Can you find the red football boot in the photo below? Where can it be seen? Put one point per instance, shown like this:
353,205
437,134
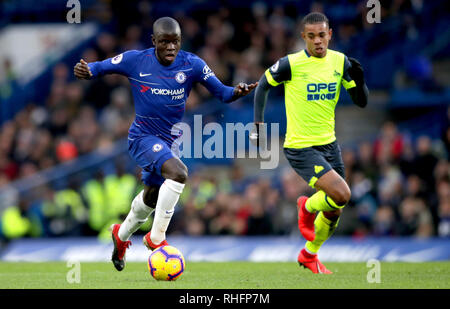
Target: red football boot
311,261
305,219
150,245
118,255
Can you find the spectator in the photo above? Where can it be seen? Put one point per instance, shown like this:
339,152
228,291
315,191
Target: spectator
388,146
443,209
425,161
384,223
415,218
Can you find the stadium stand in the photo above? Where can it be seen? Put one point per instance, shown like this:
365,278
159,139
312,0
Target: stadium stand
72,134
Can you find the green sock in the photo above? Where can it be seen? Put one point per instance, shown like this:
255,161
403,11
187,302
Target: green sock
319,201
323,228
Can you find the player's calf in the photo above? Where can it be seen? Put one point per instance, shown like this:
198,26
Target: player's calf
150,195
169,194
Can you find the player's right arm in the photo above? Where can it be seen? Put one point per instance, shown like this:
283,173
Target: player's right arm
81,70
272,77
120,64
226,94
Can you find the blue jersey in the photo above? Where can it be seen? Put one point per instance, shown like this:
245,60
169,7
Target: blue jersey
160,92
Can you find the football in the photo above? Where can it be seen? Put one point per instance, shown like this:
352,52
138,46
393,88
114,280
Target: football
166,263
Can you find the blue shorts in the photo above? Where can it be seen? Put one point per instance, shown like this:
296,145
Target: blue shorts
150,152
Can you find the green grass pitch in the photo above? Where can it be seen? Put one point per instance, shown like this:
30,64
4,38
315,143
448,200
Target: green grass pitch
230,275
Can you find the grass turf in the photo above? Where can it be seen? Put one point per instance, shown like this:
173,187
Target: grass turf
230,275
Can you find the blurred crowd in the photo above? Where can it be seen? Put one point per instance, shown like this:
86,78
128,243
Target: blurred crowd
400,187
400,184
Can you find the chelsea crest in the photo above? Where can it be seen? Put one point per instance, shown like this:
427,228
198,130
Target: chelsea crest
180,77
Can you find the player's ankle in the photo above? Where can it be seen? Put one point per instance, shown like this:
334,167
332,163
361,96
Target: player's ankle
157,239
309,253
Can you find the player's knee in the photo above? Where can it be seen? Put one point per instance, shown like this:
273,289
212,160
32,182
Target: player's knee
180,175
342,196
175,170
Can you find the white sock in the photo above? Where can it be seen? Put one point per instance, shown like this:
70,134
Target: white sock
167,198
137,216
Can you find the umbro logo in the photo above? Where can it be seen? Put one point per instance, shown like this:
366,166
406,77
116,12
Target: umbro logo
143,75
336,73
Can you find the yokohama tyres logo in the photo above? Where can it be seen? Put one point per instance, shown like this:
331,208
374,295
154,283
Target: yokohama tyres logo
207,72
159,91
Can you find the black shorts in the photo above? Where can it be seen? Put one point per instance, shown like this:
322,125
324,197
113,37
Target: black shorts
313,162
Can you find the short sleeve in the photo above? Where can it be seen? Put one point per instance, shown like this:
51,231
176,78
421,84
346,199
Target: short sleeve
120,64
279,72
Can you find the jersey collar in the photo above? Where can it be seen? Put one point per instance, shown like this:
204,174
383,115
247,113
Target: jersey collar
315,58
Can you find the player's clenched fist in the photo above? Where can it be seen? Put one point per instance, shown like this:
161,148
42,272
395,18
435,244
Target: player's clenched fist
258,135
81,70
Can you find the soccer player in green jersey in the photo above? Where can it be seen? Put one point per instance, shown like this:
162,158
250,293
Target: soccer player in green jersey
312,81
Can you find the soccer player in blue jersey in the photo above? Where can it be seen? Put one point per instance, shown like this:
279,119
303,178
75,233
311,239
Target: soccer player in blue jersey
161,79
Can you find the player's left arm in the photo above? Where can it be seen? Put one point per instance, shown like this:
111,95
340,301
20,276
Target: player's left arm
353,81
217,88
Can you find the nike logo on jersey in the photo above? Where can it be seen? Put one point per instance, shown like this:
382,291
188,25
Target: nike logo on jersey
143,75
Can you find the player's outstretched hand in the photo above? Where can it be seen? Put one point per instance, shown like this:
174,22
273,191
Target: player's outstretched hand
242,89
81,70
356,71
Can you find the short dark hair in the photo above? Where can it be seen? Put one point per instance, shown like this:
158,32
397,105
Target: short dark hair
314,18
165,24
